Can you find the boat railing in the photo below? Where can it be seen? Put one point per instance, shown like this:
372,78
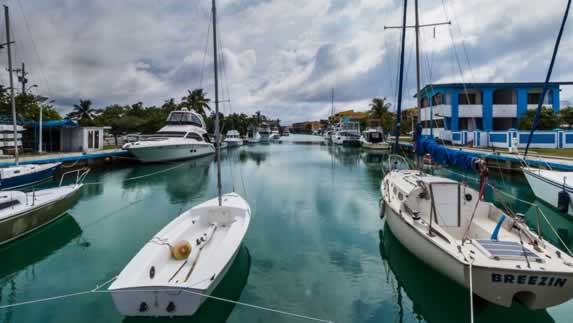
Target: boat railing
81,174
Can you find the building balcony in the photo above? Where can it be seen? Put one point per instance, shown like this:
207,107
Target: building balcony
439,112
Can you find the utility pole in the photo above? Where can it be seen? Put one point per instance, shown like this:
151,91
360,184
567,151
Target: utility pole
10,72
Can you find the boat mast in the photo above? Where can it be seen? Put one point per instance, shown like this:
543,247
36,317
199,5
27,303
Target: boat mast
217,134
12,101
399,108
546,85
418,96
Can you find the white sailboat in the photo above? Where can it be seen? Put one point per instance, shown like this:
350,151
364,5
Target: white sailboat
174,273
253,136
445,224
552,186
24,212
184,137
347,134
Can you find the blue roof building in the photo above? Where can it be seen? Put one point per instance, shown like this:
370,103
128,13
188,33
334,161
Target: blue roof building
483,106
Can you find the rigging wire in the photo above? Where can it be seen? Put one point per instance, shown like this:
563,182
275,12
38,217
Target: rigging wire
205,54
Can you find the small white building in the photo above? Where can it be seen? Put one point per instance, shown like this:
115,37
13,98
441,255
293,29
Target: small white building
82,139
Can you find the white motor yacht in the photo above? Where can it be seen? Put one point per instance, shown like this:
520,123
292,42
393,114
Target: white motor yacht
373,138
184,137
233,139
265,132
275,134
253,136
347,134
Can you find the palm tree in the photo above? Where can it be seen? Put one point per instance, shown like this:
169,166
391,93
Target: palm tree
378,108
82,112
196,101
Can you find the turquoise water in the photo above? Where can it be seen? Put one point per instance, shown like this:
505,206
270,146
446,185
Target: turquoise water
316,245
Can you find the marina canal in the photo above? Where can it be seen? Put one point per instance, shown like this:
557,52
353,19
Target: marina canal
315,247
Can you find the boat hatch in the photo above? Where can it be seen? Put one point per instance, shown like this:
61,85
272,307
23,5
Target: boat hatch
506,250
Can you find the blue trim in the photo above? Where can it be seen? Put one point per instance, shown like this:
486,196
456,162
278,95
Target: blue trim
454,94
456,136
538,138
497,137
495,232
487,110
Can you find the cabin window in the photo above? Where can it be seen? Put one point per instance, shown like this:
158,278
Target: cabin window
195,136
206,137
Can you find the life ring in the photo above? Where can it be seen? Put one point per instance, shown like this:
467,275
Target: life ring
181,250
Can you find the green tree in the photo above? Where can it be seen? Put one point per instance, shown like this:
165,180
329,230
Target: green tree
548,119
378,107
566,116
196,101
83,113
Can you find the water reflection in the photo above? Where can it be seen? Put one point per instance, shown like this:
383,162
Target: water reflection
230,288
562,224
181,183
22,255
257,156
38,245
435,297
349,156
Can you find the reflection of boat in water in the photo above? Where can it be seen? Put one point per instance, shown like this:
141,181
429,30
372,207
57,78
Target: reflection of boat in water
345,154
436,298
38,245
257,156
182,183
230,288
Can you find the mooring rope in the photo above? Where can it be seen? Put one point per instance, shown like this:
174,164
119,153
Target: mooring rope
144,176
98,289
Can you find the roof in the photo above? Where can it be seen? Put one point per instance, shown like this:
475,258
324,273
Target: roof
490,85
55,124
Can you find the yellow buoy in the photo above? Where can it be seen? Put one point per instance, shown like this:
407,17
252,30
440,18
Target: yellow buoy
181,250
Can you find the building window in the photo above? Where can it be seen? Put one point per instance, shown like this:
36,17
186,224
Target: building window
467,98
533,98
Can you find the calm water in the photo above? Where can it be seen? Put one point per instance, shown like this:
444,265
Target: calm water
315,245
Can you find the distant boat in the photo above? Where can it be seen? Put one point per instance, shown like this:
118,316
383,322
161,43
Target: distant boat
275,134
373,138
253,136
233,138
347,134
24,212
184,137
265,132
175,272
285,132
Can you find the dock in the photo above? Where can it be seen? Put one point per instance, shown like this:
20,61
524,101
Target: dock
66,157
513,162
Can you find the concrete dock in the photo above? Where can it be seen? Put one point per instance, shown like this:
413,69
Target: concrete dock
65,157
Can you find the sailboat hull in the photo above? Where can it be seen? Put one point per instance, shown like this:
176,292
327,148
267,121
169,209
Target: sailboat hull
29,178
535,289
128,301
547,188
20,224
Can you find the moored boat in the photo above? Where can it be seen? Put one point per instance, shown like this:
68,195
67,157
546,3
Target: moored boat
23,175
233,139
373,138
183,137
24,212
253,136
347,134
264,132
448,226
551,186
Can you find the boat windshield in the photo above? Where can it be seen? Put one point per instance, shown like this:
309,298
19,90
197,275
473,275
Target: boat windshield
184,117
169,134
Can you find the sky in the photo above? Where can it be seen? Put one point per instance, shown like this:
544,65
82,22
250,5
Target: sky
281,57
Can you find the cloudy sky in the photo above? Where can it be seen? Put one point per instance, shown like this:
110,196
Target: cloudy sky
281,57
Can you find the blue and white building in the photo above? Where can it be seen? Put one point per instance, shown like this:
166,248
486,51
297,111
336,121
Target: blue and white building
483,106
486,114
